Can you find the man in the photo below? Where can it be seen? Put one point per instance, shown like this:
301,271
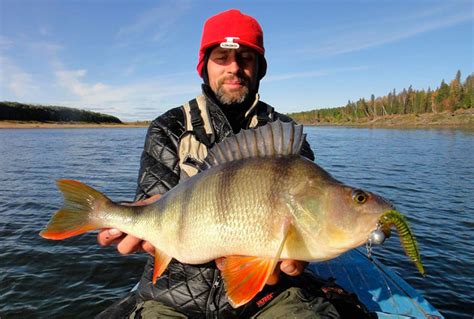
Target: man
231,64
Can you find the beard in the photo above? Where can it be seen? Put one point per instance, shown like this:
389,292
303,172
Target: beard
233,96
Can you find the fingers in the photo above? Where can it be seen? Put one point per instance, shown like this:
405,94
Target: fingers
129,244
144,202
150,200
289,267
126,244
293,267
108,236
146,246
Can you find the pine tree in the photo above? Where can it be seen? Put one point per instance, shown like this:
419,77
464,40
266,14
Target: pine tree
372,106
468,88
442,98
427,104
455,92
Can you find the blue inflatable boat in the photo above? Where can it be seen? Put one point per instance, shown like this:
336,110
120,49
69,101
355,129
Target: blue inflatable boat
379,288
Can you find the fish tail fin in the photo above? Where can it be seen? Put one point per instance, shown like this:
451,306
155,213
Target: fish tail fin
78,214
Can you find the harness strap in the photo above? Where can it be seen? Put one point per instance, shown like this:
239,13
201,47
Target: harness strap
198,124
199,136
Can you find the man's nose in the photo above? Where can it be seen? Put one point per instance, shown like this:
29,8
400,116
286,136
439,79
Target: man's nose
233,64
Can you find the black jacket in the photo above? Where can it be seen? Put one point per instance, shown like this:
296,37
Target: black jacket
195,290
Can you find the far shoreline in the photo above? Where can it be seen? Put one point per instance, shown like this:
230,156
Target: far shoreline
460,119
68,125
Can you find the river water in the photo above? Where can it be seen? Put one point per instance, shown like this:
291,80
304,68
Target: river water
427,173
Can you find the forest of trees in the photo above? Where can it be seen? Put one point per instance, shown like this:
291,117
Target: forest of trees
13,111
447,97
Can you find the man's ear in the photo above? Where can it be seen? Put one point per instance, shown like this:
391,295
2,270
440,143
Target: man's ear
204,74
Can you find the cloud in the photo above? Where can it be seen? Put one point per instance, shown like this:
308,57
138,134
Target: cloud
45,30
356,38
45,47
100,92
311,74
17,81
140,61
5,43
54,83
156,23
140,100
70,79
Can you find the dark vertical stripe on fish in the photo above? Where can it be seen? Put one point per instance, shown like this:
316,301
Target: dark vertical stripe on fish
224,190
184,202
280,169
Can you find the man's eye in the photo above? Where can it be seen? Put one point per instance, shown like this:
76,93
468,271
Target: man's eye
246,56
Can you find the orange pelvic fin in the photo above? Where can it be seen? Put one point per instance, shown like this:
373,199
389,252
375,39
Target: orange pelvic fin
245,276
161,263
77,216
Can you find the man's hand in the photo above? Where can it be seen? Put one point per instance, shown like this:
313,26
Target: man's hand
293,267
288,266
127,244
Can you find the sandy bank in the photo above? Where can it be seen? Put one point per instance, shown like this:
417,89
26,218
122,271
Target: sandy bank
27,124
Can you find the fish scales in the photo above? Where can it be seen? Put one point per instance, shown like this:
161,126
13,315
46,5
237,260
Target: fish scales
235,208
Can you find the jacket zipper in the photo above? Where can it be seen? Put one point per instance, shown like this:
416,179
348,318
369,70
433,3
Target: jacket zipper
212,311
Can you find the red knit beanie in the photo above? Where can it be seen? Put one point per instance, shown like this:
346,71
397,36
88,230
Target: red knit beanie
229,28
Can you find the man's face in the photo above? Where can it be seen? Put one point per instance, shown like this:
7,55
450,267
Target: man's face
232,73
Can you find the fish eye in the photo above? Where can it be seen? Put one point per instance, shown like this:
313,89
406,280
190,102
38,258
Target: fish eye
359,196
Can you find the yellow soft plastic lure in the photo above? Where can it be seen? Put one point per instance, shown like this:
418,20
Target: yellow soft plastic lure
395,218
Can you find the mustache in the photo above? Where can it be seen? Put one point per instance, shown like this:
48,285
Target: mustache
241,78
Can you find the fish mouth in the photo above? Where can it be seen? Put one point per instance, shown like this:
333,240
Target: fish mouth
395,218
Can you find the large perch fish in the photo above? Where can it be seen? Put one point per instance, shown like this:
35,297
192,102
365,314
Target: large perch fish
256,202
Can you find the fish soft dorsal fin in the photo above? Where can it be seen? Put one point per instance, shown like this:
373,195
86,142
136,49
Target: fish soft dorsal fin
273,139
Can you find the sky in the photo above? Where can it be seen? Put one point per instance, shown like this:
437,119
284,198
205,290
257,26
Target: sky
135,59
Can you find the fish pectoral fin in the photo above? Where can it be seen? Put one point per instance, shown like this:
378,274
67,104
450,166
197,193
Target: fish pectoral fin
161,263
245,276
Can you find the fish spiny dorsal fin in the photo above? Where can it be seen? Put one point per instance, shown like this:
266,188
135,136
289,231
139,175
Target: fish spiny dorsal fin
273,139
